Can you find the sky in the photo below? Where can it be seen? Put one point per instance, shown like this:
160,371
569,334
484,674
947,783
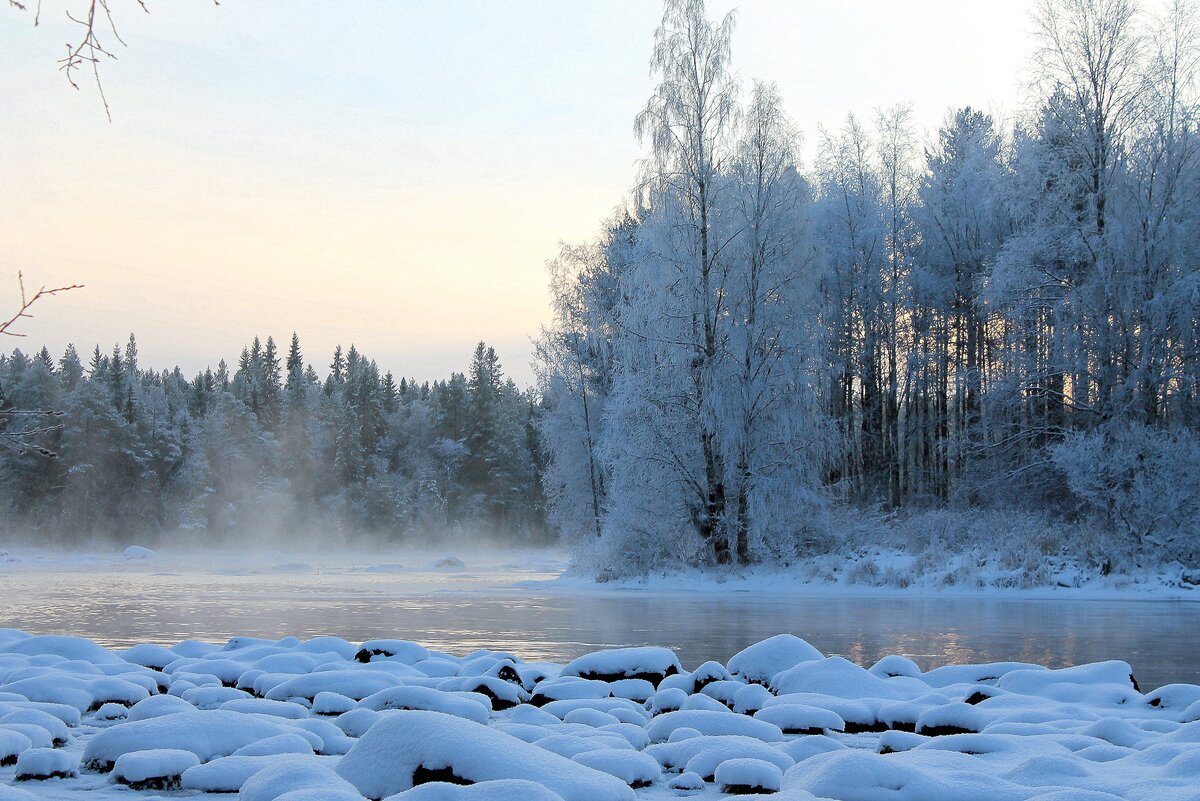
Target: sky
389,173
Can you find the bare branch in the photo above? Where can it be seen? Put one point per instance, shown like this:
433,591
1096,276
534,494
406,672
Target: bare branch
27,303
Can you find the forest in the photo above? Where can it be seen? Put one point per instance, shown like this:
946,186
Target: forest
266,452
997,322
981,337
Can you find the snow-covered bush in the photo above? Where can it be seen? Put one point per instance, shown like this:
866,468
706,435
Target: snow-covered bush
1142,482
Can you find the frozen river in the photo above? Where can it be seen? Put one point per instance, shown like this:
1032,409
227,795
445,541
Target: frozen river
508,602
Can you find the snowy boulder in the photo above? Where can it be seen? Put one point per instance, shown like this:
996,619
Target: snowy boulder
279,744
745,776
1173,697
801,719
503,694
471,706
437,668
701,755
632,767
12,744
75,648
410,748
712,723
590,717
751,698
158,705
842,678
853,774
206,734
58,730
893,665
957,718
634,689
109,713
357,684
707,673
291,778
328,645
401,650
151,656
332,704
500,790
635,735
154,769
228,774
356,722
38,737
1037,682
39,764
621,708
648,663
723,690
706,702
261,706
331,740
53,688
138,553
763,660
569,688
686,783
668,700
213,696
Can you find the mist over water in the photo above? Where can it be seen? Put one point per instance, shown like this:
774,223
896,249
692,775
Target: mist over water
505,600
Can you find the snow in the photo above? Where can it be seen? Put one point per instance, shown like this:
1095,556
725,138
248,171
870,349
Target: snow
634,768
652,664
711,722
471,706
207,734
763,660
165,764
228,774
385,759
37,764
500,790
1007,731
314,779
748,775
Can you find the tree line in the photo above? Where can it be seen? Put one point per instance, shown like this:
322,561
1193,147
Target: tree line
268,448
1006,317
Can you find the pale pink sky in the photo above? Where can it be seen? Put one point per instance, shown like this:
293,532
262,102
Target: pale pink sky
390,173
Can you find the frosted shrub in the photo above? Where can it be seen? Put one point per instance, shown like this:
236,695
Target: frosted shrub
864,572
1142,483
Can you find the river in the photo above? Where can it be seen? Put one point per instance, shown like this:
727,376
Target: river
509,602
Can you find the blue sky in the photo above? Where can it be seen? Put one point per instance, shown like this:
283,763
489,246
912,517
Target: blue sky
390,173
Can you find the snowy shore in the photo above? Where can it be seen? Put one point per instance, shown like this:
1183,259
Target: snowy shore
333,720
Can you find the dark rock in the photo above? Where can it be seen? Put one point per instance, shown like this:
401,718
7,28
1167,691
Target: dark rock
424,775
161,783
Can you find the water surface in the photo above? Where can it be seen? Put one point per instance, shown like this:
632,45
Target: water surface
119,603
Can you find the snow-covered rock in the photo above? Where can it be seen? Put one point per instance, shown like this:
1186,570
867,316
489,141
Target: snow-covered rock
744,776
154,769
763,660
412,747
298,781
206,734
648,663
38,764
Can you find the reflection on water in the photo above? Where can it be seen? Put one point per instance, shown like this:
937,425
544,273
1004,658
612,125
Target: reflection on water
119,604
